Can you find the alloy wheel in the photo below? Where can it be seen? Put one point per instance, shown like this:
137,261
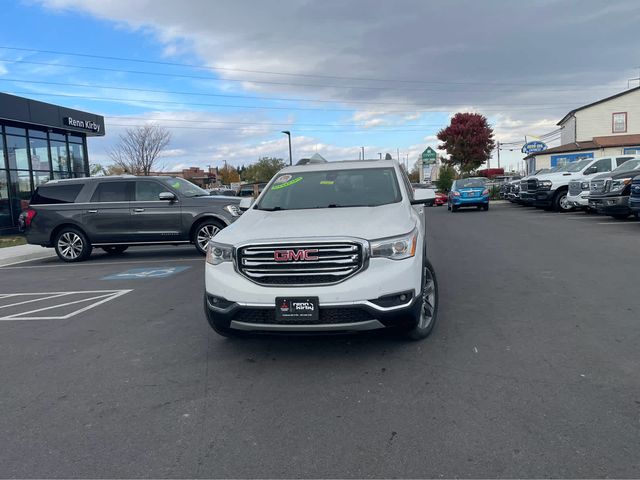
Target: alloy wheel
564,203
206,233
428,300
70,245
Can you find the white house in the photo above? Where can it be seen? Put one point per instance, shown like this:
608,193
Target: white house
610,126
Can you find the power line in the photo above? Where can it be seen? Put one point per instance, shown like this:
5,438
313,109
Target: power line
139,100
256,130
249,97
264,72
266,82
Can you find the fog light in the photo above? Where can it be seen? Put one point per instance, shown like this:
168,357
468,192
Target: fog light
218,303
394,300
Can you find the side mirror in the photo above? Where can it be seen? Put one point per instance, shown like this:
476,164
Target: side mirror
591,170
167,196
423,196
246,203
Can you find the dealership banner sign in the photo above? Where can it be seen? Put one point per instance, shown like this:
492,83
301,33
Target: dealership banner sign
534,147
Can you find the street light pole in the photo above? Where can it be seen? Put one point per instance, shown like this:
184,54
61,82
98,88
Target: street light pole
288,134
362,153
380,155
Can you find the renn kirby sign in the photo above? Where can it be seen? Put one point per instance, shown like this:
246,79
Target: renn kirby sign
88,125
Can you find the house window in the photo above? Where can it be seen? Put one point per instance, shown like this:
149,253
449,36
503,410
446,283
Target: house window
619,122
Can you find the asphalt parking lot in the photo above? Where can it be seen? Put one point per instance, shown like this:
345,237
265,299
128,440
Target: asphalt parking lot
109,369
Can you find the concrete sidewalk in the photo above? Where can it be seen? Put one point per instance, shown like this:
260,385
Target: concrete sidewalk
20,253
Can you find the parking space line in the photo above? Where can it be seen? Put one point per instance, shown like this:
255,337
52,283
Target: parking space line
105,296
31,301
92,264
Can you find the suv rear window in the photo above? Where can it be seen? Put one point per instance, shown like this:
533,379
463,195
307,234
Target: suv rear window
52,194
112,192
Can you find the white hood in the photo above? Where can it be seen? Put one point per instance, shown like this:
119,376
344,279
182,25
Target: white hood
558,177
361,222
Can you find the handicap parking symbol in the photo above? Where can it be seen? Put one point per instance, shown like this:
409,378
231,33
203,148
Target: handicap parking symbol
145,272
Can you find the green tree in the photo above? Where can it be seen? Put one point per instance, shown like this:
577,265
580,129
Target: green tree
446,176
228,175
263,169
468,140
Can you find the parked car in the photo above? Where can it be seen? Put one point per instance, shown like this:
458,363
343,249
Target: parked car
441,199
223,192
251,189
609,192
468,192
306,257
578,196
634,197
113,213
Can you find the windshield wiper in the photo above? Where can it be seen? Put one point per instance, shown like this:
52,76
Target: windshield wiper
271,209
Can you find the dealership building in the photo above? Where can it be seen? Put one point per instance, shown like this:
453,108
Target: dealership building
608,127
38,142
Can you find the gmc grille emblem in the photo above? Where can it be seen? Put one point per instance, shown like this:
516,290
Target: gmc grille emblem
300,255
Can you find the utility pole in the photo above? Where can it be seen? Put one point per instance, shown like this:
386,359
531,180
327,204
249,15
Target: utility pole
498,154
380,155
288,134
362,153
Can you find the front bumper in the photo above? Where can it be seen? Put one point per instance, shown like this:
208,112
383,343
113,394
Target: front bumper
579,201
634,204
470,201
543,198
527,198
346,306
610,205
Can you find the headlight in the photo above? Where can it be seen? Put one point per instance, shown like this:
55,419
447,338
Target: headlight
545,185
395,248
234,210
619,184
218,253
584,185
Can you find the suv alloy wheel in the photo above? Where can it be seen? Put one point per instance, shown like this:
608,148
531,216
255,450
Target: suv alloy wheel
72,245
204,232
429,308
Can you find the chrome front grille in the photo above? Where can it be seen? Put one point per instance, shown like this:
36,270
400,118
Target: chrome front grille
574,187
597,186
532,184
313,263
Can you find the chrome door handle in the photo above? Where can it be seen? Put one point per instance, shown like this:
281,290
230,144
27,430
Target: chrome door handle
92,211
138,209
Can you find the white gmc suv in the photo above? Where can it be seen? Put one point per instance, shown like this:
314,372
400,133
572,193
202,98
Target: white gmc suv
331,247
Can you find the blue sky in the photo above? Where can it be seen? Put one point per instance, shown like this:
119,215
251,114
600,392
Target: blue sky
383,103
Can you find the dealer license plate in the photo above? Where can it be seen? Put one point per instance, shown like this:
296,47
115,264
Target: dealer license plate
297,308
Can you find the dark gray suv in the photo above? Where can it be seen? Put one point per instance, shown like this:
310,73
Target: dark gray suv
113,213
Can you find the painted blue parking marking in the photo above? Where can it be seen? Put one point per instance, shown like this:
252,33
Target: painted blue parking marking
145,272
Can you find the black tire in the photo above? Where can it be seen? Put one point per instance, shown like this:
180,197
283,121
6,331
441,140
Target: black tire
429,305
72,245
560,202
622,216
448,206
479,207
206,229
115,249
454,208
485,207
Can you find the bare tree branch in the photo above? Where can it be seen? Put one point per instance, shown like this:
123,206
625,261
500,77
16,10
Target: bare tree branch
139,149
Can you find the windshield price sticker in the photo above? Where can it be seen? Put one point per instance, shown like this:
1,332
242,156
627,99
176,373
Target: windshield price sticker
327,182
286,184
282,179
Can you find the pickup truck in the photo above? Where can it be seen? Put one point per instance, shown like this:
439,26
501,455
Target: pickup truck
578,196
609,192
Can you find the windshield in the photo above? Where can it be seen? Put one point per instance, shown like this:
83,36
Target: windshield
628,166
471,183
577,166
359,187
185,187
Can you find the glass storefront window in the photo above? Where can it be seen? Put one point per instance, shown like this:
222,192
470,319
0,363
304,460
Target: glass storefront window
5,205
59,175
57,136
39,154
40,177
75,138
37,134
77,157
15,131
22,188
17,152
59,160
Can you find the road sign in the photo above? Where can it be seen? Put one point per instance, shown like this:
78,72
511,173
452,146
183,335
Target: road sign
429,156
144,273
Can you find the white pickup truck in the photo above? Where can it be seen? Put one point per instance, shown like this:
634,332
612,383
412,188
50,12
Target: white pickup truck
552,190
578,196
